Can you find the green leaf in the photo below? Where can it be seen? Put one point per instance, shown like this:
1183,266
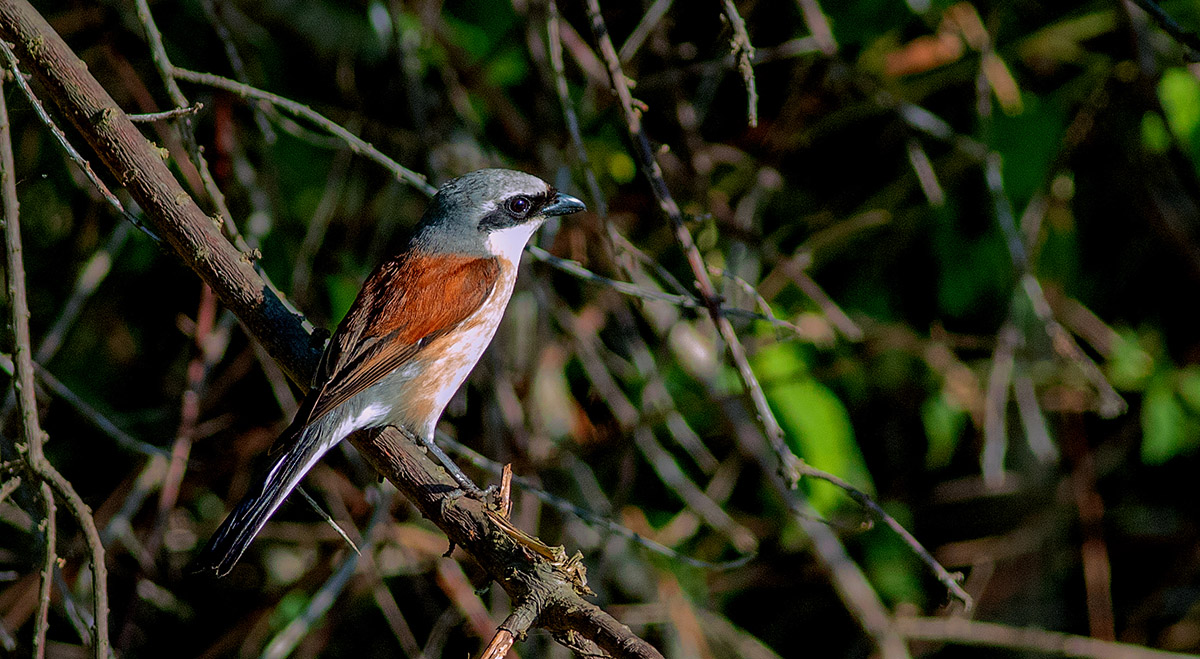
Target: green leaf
1179,92
1188,386
341,291
507,67
944,420
1129,365
1155,137
1166,429
890,564
290,606
816,424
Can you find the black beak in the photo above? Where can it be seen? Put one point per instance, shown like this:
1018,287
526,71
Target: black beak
563,204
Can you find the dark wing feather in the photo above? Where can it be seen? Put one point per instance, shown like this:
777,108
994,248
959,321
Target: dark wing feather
405,304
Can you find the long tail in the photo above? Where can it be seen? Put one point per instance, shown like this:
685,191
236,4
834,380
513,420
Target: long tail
239,529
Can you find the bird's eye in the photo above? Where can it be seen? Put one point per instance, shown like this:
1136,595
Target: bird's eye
519,205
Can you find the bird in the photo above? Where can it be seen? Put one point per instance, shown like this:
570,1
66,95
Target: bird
415,331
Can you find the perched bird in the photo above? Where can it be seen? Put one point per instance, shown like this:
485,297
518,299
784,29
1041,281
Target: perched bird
417,328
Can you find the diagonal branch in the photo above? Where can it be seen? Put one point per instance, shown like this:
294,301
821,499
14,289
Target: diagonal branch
137,165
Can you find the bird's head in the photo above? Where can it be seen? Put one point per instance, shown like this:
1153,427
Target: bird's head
490,212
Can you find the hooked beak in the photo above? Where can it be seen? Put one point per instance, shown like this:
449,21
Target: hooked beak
563,204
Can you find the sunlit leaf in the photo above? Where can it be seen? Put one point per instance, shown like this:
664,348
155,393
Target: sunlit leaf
816,423
1166,431
1179,92
1129,365
944,420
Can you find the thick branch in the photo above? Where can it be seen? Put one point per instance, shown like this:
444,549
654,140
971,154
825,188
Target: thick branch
172,213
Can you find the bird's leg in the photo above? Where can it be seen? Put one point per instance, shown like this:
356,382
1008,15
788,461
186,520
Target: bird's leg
464,482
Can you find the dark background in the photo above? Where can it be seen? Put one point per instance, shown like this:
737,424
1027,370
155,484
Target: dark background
1088,108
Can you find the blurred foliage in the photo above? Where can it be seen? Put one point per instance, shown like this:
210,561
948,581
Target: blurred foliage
866,178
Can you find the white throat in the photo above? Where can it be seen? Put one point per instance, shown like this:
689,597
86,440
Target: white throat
508,243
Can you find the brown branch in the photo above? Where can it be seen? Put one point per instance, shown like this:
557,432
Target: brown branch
172,213
51,481
168,114
42,619
743,50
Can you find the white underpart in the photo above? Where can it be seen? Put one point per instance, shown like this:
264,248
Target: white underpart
364,419
508,243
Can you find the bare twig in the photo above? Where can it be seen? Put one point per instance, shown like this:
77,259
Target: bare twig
633,290
187,132
744,51
168,114
357,144
999,384
209,346
950,581
1186,38
818,24
555,46
84,165
282,644
49,563
659,458
991,635
27,405
652,171
649,21
239,68
591,518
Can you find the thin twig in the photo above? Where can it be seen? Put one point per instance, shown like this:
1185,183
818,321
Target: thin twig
1186,38
168,114
187,133
22,381
663,463
818,24
357,144
209,347
591,518
633,290
27,404
239,68
42,617
649,21
282,644
73,154
950,581
995,416
315,505
1023,639
653,172
555,46
744,51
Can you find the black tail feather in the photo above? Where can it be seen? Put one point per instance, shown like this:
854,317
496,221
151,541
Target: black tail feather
239,529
